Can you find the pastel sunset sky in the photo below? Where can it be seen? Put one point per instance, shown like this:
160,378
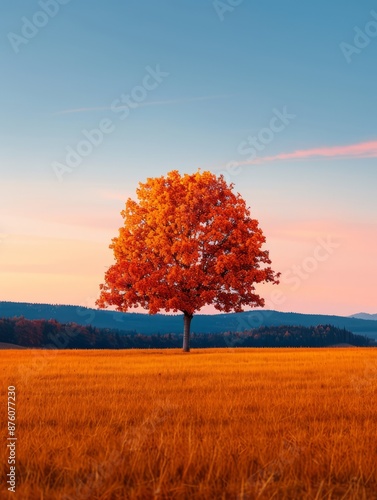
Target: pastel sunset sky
270,94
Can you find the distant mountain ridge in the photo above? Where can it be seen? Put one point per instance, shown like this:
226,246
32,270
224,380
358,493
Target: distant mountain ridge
367,316
163,323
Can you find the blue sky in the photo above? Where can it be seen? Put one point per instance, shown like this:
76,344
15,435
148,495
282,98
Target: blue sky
224,80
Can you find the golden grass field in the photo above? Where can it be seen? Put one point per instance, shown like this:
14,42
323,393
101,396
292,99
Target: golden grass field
212,424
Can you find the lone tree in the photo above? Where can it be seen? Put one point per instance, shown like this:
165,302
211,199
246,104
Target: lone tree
187,242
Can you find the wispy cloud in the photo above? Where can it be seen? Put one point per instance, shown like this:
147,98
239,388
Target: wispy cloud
143,104
361,150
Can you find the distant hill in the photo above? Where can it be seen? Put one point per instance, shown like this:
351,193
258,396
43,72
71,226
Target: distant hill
6,345
163,323
50,334
372,317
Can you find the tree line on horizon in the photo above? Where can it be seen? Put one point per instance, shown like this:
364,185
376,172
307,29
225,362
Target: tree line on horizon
54,335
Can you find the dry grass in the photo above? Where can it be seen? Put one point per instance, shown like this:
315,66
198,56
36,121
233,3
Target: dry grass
214,424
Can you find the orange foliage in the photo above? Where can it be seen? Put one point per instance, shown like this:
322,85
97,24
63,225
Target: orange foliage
187,242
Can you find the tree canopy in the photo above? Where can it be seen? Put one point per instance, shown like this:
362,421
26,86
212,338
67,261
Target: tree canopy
188,241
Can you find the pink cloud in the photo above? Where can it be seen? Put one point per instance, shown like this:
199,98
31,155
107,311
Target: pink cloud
361,150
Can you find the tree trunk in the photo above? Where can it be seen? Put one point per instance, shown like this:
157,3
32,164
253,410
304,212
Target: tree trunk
186,332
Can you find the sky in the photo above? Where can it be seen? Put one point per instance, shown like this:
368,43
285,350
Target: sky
279,97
